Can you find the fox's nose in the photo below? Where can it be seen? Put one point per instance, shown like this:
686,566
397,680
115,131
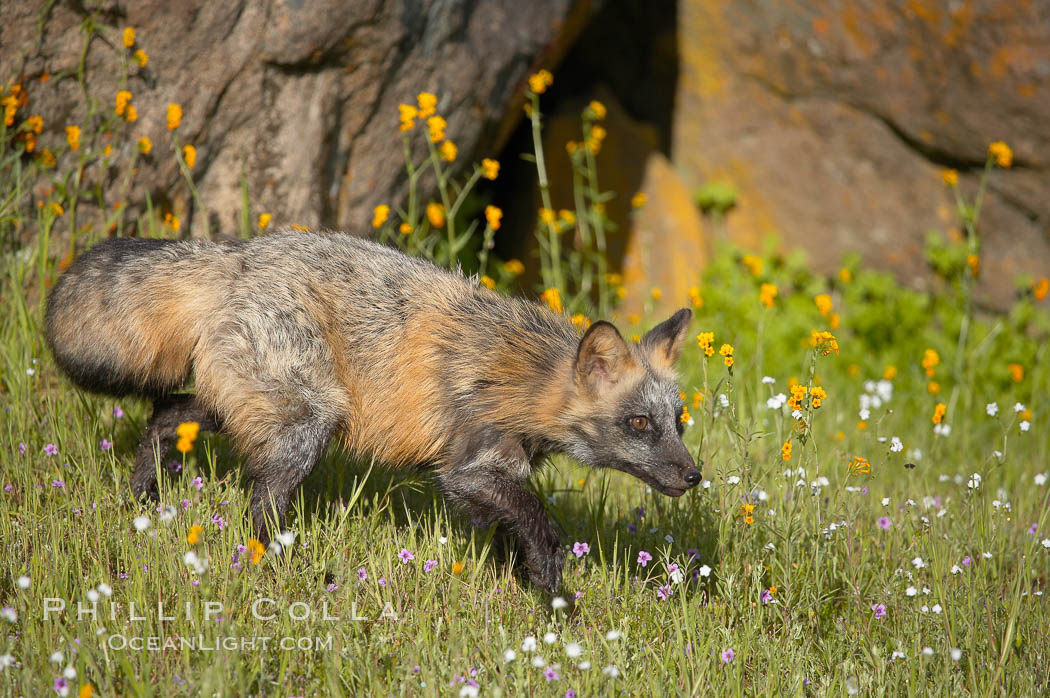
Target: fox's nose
692,478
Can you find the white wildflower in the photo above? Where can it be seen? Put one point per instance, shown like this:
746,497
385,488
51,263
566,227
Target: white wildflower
141,523
991,409
574,650
528,644
896,445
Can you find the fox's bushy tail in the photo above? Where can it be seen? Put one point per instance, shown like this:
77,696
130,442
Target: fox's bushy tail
127,314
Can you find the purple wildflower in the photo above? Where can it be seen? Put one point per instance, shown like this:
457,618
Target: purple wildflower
580,549
644,558
405,556
693,554
8,488
884,523
766,596
175,466
51,450
632,529
879,609
21,448
429,565
728,655
61,686
218,521
664,592
382,581
966,561
570,694
105,445
198,483
1033,529
331,587
117,412
550,674
58,483
185,505
362,574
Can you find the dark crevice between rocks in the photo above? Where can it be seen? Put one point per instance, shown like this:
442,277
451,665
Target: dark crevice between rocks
626,55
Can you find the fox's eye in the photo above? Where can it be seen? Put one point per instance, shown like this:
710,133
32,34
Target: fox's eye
639,423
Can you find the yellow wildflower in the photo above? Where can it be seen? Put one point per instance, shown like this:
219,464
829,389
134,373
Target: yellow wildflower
656,293
264,220
489,168
47,158
493,216
950,177
933,388
862,425
436,126
131,114
427,104
697,397
448,151
581,321
727,352
174,116
695,297
129,37
859,466
639,199
974,262
890,373
513,266
1040,288
552,297
824,341
754,264
379,215
540,81
194,534
189,154
188,430
457,567
548,216
436,214
107,150
73,137
300,228
705,340
405,229
824,304
817,395
571,147
567,216
1002,154
56,209
785,451
845,275
833,321
142,58
172,221
35,123
488,282
407,114
938,412
930,359
122,100
86,691
256,549
597,109
1016,372
621,292
767,293
145,145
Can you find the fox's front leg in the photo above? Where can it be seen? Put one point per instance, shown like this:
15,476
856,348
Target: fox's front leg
489,484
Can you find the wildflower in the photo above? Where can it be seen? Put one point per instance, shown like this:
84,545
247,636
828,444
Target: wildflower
1041,288
73,137
938,412
656,293
187,433
613,635
879,609
686,418
552,297
664,592
264,220
930,359
529,644
1024,425
1016,372
991,409
511,266
765,597
51,450
754,264
509,655
728,655
436,214
198,483
540,81
611,671
890,373
1040,479
950,177
695,297
142,58
777,401
23,582
141,523
859,466
256,551
558,603
550,674
974,262
174,116
644,558
824,341
427,104
194,534
122,101
145,145
489,168
448,151
974,482
785,451
58,484
817,395
407,114
47,158
131,114
727,352
597,109
129,37
493,215
1001,153
488,282
884,523
824,303
767,293
189,154
706,340
457,567
405,556
436,128
704,571
429,565
638,200
580,320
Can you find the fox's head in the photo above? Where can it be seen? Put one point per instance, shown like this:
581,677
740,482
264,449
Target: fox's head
626,407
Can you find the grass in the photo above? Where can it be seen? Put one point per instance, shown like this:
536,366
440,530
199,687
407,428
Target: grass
68,525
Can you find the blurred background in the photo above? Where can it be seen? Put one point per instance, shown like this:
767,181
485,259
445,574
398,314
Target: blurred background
820,126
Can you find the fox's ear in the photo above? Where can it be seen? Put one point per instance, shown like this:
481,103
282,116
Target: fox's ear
602,358
663,343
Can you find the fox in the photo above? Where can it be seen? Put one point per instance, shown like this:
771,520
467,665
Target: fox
293,340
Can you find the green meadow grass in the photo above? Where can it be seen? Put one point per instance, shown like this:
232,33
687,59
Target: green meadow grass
841,619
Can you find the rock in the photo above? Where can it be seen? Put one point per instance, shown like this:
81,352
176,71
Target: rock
833,123
296,98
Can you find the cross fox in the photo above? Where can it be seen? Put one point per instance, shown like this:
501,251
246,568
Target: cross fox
296,338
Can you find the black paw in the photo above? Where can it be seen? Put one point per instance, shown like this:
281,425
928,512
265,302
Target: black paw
544,568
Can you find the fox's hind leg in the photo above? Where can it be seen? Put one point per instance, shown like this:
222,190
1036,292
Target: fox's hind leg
160,436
